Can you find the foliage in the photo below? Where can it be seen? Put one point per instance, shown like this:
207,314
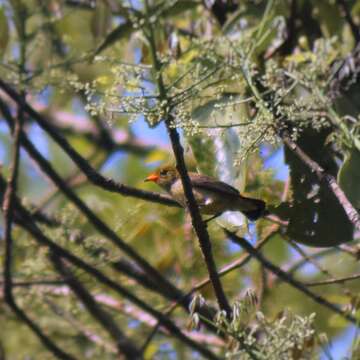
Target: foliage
232,77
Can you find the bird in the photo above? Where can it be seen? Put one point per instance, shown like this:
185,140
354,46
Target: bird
212,195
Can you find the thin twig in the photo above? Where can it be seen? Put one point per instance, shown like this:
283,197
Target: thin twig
124,344
82,329
288,278
31,283
313,261
334,281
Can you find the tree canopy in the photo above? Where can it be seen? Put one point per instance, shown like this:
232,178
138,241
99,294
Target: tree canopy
263,95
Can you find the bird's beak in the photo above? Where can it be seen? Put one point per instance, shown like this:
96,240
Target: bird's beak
152,177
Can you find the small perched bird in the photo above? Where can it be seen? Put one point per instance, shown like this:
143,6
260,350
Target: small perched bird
212,196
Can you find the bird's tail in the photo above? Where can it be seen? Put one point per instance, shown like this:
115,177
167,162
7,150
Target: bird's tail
253,209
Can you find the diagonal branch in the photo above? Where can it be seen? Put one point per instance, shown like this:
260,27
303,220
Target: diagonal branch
81,328
124,344
334,281
25,220
198,224
101,227
323,177
8,208
94,177
236,264
97,222
324,271
133,272
288,278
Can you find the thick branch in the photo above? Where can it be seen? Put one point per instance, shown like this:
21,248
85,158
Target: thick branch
236,264
8,207
197,222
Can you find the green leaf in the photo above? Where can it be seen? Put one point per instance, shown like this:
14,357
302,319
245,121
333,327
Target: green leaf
101,19
349,177
4,32
329,18
316,217
179,7
120,32
219,147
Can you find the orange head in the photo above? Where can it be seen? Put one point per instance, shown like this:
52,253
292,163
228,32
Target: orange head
164,176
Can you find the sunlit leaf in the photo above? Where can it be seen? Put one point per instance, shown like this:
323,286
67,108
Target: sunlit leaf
4,32
349,177
120,32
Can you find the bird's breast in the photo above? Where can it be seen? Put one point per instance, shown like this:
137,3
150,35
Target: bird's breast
209,202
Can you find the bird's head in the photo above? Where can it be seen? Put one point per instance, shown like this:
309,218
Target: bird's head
164,176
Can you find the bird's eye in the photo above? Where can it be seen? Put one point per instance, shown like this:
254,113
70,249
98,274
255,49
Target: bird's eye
163,172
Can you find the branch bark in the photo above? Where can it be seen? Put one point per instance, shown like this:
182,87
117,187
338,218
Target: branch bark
334,281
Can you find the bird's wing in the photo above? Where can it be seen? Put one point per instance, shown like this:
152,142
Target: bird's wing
211,184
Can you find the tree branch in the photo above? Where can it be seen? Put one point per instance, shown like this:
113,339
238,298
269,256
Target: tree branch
8,207
135,273
93,176
124,344
334,281
81,328
288,278
25,220
101,227
324,178
324,271
236,264
198,224
9,215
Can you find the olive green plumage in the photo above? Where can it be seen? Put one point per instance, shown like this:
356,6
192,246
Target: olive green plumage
212,196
